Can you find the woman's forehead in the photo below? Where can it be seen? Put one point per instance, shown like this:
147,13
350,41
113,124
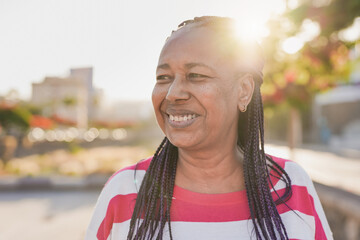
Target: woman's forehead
195,39
219,41
198,42
190,35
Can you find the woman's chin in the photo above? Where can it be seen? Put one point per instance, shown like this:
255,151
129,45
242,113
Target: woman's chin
181,140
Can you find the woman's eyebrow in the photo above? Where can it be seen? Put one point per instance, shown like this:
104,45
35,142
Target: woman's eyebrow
191,65
164,66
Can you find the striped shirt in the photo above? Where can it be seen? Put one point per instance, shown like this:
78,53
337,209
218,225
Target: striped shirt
209,216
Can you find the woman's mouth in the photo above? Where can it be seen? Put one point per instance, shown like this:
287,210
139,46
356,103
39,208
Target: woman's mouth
181,121
181,118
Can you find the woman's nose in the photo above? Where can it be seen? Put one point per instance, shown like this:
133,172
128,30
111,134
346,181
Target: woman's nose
178,90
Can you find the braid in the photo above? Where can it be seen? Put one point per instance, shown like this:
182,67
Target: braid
153,203
264,214
154,198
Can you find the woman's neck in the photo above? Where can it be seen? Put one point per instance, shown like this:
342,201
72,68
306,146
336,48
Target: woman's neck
211,171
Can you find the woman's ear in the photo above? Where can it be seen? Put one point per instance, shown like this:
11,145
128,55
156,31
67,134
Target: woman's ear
246,90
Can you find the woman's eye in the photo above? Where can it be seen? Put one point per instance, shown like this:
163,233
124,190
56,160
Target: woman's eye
197,76
163,77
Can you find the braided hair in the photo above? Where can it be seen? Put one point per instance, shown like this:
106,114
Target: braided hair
152,208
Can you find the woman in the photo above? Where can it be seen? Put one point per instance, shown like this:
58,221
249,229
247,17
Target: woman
210,177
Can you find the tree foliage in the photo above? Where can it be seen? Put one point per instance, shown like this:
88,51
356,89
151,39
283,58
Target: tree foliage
15,118
319,65
332,15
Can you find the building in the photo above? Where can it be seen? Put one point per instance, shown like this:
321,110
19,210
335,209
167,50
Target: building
337,114
69,98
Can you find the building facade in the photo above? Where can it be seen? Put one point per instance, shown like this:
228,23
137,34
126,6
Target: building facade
69,98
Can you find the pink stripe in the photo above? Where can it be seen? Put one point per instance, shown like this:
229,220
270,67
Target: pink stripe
300,201
120,209
182,210
209,199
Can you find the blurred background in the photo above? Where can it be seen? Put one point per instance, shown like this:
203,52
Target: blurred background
76,80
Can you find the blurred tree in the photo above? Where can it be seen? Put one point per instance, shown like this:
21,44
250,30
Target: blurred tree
69,101
332,16
14,122
33,109
305,56
14,118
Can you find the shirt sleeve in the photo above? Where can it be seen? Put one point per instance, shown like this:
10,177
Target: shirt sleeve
101,222
306,202
114,206
322,228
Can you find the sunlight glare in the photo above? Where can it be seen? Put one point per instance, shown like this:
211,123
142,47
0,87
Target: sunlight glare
251,25
352,33
292,4
292,44
247,32
309,30
278,6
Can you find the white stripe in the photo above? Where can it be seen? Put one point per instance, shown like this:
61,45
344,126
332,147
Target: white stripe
90,234
296,227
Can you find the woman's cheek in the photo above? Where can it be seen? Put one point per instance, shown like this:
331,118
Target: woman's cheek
160,90
157,97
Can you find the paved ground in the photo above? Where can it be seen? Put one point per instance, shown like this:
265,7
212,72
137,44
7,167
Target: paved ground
44,215
65,214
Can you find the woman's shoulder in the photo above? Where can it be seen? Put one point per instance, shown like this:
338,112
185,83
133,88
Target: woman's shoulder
287,164
279,160
304,200
117,195
295,171
128,173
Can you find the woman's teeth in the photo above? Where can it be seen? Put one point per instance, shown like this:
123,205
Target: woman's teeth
182,118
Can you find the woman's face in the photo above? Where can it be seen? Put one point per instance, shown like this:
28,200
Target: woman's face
196,93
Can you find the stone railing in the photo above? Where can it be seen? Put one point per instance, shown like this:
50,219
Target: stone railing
342,210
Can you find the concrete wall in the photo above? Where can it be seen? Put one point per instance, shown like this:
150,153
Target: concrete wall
342,210
349,111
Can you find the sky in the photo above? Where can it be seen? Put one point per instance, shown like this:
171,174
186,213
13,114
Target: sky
120,39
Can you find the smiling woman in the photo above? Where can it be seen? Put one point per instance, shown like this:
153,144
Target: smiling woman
210,177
